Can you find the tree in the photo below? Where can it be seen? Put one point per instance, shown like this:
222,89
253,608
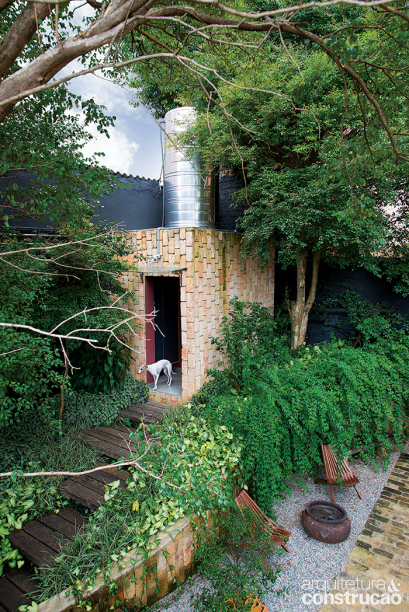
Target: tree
313,156
58,286
316,181
31,55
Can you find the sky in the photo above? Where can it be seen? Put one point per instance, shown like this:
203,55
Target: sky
134,143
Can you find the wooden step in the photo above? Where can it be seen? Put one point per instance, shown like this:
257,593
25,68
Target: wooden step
13,589
89,489
40,541
11,597
112,451
150,412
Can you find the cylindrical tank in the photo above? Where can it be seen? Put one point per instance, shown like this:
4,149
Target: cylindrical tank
188,184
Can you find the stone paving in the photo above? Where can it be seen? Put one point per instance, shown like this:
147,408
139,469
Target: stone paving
375,577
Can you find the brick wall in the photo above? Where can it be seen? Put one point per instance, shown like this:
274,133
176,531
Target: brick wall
142,579
215,273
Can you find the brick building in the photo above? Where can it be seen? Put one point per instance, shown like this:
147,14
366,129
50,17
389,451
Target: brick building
191,286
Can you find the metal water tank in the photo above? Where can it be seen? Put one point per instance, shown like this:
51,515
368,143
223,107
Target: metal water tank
188,184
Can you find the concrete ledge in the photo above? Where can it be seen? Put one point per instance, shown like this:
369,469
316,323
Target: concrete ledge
141,581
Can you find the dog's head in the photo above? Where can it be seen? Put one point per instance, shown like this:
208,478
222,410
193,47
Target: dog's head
142,368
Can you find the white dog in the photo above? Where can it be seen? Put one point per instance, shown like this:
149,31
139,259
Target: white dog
156,368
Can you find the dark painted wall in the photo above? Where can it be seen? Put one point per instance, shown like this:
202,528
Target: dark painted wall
139,204
226,216
136,203
333,282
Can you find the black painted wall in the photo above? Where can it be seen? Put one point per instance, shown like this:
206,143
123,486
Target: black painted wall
333,282
136,203
226,216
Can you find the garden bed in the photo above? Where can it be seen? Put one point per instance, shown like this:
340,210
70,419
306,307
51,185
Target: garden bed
141,579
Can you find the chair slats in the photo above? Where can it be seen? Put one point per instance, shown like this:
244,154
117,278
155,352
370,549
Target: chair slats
279,535
335,468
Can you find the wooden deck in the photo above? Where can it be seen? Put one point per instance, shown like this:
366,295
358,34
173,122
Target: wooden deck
40,541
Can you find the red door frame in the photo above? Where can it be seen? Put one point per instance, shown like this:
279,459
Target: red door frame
149,328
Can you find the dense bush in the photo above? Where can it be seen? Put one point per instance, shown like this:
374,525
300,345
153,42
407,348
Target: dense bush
40,292
291,401
95,409
188,470
99,371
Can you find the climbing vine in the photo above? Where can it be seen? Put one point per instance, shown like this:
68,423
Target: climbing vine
291,401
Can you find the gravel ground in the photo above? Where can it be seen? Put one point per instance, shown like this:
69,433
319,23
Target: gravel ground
308,559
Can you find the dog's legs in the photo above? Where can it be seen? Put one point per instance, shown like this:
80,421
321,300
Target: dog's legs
156,382
166,371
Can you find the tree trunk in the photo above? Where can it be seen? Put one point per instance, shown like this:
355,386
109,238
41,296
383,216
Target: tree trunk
300,309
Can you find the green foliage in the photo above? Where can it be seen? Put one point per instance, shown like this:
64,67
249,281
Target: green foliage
189,469
45,176
95,409
100,371
333,394
41,292
249,329
33,447
232,557
22,501
371,322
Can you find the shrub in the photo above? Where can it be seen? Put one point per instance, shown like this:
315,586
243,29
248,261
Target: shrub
233,555
249,329
189,469
95,409
99,371
333,394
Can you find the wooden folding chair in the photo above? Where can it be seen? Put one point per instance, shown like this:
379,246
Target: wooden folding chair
279,535
334,468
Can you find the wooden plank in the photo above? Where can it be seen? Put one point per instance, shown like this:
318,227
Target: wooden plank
109,450
111,439
105,478
113,452
11,597
90,483
57,523
73,516
82,495
122,432
117,472
138,416
23,579
44,534
116,434
33,550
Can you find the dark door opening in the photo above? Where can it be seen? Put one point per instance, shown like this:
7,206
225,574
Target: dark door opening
166,295
162,294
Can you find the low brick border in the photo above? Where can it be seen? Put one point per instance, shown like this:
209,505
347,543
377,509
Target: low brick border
381,552
144,580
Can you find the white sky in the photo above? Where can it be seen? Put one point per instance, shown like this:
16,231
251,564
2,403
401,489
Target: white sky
134,143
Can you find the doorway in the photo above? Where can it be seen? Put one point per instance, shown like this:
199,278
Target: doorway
162,294
166,295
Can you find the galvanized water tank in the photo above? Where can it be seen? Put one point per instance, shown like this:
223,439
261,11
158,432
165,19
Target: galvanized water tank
188,184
